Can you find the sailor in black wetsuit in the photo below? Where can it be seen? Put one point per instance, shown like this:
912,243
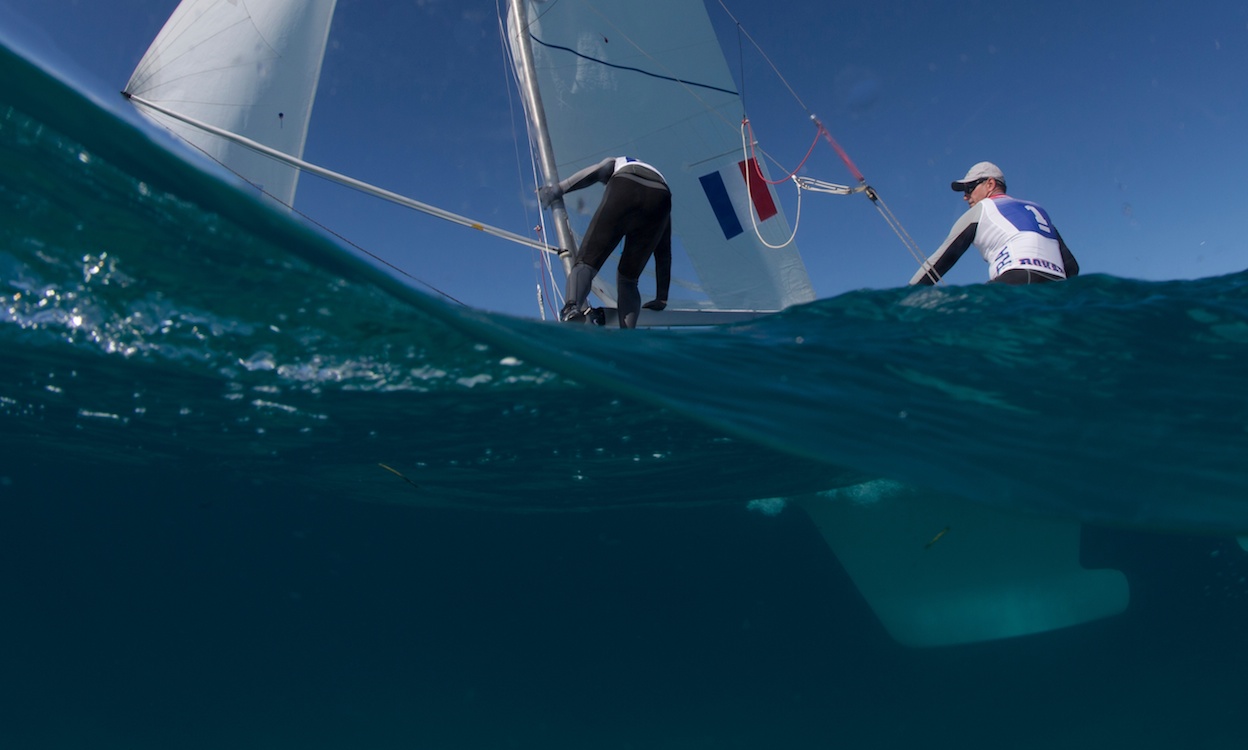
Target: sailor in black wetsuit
636,207
1016,237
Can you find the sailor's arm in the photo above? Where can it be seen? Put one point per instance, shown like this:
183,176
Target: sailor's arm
959,239
600,172
1069,264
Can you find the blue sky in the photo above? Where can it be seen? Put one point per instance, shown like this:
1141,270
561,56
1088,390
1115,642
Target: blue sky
1126,121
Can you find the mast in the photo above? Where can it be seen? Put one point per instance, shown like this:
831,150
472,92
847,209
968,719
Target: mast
522,57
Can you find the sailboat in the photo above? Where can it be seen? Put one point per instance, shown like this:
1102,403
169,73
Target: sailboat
237,81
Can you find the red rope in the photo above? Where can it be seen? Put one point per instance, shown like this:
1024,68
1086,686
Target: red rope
841,152
820,130
759,171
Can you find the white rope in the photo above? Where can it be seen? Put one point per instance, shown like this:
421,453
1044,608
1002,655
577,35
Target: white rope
749,192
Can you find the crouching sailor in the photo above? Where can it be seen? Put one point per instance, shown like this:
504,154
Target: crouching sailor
637,208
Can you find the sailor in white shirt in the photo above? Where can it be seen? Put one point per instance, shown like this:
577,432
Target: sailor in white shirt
1016,237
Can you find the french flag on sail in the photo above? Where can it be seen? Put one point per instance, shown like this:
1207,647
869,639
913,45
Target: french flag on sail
729,190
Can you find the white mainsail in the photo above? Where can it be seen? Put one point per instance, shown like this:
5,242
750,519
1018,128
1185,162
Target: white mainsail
249,67
649,80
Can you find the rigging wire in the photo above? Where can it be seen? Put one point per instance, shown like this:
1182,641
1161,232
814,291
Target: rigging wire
545,270
741,31
260,188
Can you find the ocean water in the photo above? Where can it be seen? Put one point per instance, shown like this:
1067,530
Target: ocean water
256,493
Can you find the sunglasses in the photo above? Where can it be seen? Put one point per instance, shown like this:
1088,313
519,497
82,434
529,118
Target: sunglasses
970,188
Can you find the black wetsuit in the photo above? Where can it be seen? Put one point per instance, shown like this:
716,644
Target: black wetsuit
636,207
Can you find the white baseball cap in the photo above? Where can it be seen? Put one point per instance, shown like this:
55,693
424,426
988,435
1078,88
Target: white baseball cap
980,171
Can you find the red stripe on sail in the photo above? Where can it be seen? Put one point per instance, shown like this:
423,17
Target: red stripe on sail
759,192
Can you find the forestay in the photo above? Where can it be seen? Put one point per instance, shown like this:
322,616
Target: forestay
248,68
649,80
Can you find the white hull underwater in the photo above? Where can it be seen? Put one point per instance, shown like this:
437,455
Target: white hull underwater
939,571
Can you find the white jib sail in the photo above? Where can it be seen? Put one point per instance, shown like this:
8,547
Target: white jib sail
246,66
648,79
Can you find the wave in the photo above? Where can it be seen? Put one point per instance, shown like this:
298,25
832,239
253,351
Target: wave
154,314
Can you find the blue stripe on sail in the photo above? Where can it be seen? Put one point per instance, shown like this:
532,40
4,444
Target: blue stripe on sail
721,204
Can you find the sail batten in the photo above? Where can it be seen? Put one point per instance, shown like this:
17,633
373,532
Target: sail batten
637,69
